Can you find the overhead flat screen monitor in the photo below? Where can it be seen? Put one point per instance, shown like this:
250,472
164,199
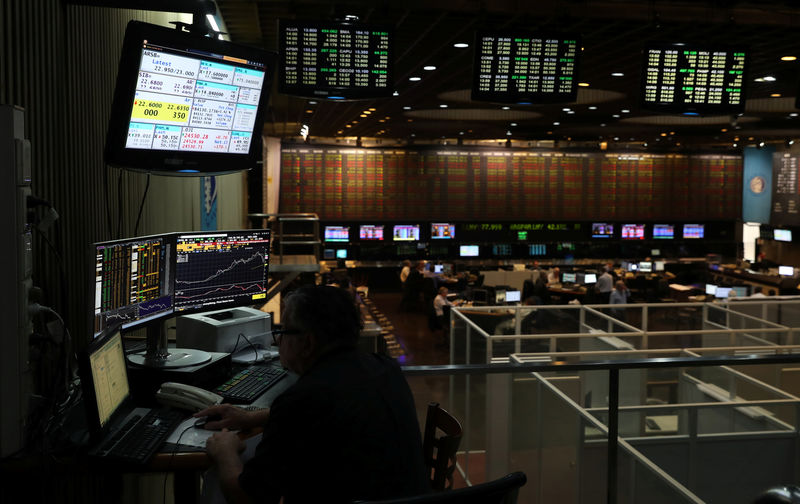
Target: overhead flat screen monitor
537,249
693,231
219,269
694,79
501,250
185,104
663,231
602,230
367,232
469,250
442,231
632,232
337,234
335,60
786,270
655,252
782,235
406,233
132,283
524,67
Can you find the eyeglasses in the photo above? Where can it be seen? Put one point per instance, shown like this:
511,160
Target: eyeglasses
277,334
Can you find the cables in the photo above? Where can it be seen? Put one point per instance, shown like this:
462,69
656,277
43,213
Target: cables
141,206
171,458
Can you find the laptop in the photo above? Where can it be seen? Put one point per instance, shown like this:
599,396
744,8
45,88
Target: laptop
118,430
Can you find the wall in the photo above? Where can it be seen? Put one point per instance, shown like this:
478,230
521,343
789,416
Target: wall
59,62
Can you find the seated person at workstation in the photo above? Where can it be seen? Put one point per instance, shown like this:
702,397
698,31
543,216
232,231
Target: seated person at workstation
347,430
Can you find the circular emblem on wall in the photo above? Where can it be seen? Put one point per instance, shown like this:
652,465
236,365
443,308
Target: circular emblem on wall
757,184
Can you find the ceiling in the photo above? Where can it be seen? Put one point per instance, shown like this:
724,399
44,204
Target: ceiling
613,34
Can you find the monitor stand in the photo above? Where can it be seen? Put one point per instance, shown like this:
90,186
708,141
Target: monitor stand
159,356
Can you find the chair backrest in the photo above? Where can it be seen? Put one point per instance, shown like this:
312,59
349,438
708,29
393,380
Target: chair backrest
500,491
440,449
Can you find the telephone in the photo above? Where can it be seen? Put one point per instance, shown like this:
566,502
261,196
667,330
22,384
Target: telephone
186,397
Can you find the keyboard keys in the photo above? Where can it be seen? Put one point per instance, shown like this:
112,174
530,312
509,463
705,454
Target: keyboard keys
143,438
246,385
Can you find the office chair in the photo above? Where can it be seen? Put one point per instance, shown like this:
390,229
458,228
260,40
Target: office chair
440,452
500,491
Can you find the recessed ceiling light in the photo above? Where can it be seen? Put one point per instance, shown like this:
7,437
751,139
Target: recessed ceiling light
513,124
775,95
312,102
381,120
363,115
615,116
395,94
415,79
769,78
309,111
617,74
602,125
508,133
616,139
460,45
506,108
429,67
592,107
671,132
406,108
625,111
556,123
793,114
443,105
724,130
663,134
566,109
583,84
348,126
788,58
368,112
571,112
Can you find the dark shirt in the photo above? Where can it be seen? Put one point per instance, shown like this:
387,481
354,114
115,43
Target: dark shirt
346,430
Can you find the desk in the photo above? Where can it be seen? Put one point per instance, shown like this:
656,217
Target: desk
188,462
566,295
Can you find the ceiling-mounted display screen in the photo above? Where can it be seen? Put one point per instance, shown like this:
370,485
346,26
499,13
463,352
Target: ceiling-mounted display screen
523,67
187,104
335,60
693,79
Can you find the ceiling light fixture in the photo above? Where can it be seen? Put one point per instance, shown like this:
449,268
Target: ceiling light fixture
506,108
443,105
592,107
415,79
617,74
793,114
788,58
429,67
513,124
461,45
769,78
775,95
556,123
625,111
615,116
406,108
395,94
312,102
583,84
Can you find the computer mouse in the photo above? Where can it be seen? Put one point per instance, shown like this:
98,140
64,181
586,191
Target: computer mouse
202,421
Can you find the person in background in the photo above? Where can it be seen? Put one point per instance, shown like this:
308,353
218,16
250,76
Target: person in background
346,430
438,303
405,271
604,285
554,276
619,296
758,292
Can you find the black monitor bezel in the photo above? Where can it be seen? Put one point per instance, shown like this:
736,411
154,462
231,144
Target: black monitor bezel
510,96
677,108
339,93
167,162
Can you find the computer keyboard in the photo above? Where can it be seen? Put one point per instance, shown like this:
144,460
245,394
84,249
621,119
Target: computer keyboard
249,383
141,437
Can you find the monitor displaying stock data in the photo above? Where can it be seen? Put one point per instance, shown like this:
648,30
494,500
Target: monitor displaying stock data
523,67
693,79
335,60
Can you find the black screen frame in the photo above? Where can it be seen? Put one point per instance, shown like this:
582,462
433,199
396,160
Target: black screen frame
510,96
337,93
169,162
689,109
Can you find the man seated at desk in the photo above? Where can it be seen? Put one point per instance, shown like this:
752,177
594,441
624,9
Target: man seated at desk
347,430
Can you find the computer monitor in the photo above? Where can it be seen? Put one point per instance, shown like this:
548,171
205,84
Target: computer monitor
329,254
723,292
602,230
693,231
693,78
569,277
499,296
663,231
443,231
659,265
132,282
589,278
480,296
341,253
447,269
370,232
468,250
537,249
438,268
741,290
655,252
187,104
337,234
632,232
711,290
786,270
513,296
782,235
645,266
517,66
337,60
501,250
406,232
632,266
221,269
